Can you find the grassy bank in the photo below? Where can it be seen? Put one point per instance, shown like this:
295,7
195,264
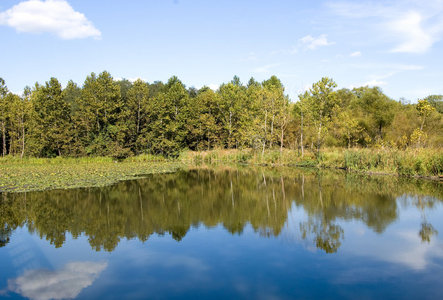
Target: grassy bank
416,162
33,174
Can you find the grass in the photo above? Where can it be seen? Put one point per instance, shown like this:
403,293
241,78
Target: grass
32,174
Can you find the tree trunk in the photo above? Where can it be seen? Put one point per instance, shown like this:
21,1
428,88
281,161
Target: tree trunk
272,131
319,139
4,138
281,139
301,136
265,135
138,117
23,140
230,128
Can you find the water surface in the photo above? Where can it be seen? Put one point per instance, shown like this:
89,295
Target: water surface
226,233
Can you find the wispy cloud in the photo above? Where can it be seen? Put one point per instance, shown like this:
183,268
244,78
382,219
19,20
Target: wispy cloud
386,70
415,27
53,16
252,56
355,54
390,67
313,43
374,82
265,68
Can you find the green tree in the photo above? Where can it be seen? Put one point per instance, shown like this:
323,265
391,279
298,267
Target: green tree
232,109
424,111
275,105
436,101
100,115
320,102
167,130
3,113
51,130
376,108
204,123
137,111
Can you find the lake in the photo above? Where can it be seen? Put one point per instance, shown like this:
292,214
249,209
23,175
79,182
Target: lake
225,232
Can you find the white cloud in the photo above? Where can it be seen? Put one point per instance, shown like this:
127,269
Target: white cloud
213,86
313,43
66,283
374,82
265,68
415,38
53,16
307,42
414,26
355,54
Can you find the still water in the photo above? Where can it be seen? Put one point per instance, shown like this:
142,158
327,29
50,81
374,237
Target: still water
226,233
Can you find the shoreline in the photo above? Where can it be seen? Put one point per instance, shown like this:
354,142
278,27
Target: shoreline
39,174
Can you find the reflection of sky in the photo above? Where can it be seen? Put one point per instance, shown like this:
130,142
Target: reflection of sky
212,261
66,283
400,243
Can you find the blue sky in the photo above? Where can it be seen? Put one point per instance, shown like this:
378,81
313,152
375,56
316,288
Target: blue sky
392,44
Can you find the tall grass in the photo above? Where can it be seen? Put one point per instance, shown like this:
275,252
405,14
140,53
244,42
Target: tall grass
248,156
413,162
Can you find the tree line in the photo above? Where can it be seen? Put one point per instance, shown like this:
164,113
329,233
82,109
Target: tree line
108,117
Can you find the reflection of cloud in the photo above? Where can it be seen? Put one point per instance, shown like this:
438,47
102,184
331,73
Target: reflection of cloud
416,255
66,283
169,260
186,261
404,247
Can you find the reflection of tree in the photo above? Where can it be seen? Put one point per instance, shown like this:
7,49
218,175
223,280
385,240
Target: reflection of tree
327,237
173,203
426,229
5,234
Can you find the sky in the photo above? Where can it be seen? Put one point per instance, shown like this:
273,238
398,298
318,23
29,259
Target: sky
396,45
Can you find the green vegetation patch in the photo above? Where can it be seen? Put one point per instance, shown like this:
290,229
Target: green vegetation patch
62,173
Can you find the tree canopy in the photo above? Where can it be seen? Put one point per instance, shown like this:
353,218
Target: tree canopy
120,118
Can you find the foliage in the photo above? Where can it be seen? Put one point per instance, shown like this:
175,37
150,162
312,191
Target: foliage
105,117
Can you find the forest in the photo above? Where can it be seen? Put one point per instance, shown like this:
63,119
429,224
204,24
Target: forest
119,118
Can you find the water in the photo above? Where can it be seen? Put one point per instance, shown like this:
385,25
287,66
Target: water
226,233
